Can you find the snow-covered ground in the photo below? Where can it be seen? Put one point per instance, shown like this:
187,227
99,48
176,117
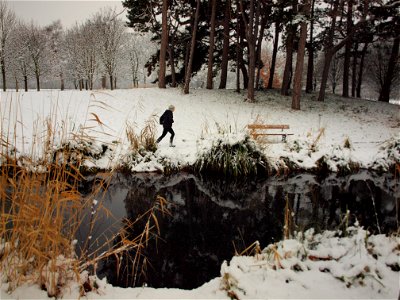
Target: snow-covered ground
370,128
325,265
312,266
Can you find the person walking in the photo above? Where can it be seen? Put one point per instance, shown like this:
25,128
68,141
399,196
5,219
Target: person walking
166,120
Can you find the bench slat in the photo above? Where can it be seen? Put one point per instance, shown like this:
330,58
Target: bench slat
257,134
264,126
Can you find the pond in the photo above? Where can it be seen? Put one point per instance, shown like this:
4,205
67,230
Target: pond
210,219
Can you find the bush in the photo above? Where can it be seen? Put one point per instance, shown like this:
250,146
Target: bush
239,159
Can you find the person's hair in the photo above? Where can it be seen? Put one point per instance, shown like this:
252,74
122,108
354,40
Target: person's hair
171,107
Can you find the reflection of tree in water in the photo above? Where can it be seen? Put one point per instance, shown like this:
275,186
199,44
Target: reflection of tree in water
209,217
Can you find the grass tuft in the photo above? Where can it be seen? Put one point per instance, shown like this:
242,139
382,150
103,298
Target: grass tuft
236,160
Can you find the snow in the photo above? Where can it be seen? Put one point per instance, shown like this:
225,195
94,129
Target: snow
327,265
334,265
320,129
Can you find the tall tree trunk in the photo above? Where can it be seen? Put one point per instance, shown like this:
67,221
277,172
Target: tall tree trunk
347,52
238,68
245,73
172,61
192,48
251,29
3,73
252,53
384,95
354,71
16,84
329,52
310,65
26,83
296,95
212,44
37,81
258,52
111,82
104,82
225,49
164,45
239,53
62,87
361,70
287,73
274,53
187,55
325,73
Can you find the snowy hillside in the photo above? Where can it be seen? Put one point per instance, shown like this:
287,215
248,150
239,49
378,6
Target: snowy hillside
338,131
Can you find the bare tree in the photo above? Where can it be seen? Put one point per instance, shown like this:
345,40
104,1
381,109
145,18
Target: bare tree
35,38
111,32
83,44
89,42
74,55
137,49
19,54
132,57
7,22
55,42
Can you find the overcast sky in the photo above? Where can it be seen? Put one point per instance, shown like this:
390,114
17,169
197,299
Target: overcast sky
69,12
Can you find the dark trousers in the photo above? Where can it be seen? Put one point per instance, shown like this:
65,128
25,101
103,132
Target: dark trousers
165,131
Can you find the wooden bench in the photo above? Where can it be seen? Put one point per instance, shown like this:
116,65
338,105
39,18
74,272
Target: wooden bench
257,130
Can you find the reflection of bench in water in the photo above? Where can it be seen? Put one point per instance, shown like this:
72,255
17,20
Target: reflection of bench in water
257,130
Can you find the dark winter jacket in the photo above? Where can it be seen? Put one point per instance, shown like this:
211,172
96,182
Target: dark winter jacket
168,118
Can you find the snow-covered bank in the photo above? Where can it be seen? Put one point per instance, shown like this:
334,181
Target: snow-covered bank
339,132
312,266
331,265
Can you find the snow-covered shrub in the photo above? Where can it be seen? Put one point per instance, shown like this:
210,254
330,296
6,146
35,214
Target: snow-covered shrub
339,160
388,156
355,264
76,152
232,159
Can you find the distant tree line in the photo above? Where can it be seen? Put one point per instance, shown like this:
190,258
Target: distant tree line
101,50
228,35
324,44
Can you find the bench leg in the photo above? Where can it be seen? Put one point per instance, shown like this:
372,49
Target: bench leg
284,138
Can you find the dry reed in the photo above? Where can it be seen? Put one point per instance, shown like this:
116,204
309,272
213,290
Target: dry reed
146,139
42,208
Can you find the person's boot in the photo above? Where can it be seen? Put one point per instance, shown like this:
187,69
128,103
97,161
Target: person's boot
171,144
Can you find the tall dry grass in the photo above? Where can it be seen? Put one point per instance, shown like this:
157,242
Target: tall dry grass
42,210
145,140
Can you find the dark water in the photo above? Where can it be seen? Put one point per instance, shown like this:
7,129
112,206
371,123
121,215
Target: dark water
211,218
